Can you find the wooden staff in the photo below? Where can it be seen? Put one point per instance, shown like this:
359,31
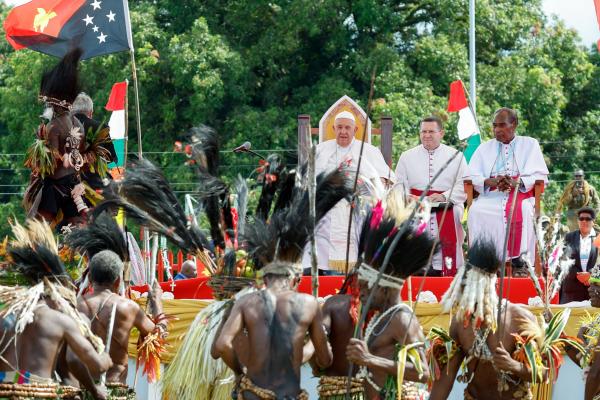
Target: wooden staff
362,146
111,325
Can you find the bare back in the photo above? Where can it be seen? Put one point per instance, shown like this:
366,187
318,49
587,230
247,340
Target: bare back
337,321
98,307
37,348
277,324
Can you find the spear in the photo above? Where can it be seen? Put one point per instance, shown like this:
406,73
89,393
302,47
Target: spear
401,230
111,325
312,187
503,259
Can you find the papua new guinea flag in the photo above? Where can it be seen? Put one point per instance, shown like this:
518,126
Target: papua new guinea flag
56,26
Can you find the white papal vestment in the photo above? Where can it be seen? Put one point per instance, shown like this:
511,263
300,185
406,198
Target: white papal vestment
332,230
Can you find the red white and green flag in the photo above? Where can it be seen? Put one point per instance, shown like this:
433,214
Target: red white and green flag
116,104
467,124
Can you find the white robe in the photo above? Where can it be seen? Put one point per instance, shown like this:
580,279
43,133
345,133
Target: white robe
522,157
332,231
417,167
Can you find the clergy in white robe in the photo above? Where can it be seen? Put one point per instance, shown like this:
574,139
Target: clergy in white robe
498,168
415,171
332,231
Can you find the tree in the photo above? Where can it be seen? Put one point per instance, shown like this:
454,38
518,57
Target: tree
248,68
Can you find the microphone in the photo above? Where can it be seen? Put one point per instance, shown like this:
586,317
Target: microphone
244,148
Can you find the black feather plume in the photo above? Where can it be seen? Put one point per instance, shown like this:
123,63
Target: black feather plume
483,255
205,149
410,255
286,191
286,233
147,197
101,233
270,184
62,81
36,262
227,216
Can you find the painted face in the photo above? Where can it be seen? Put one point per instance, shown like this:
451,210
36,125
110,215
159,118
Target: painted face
504,128
594,292
344,129
431,135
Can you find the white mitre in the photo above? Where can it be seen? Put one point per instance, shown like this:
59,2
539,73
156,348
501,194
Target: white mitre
345,115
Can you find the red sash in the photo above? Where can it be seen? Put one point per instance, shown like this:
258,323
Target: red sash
447,234
516,224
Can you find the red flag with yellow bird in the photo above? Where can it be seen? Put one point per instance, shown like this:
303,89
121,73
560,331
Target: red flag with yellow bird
56,26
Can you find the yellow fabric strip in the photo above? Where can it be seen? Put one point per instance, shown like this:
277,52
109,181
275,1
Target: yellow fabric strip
340,265
429,315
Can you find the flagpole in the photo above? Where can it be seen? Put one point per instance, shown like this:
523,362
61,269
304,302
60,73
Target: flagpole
126,126
472,72
138,121
137,103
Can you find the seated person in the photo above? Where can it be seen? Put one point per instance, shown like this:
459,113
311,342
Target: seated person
188,271
498,168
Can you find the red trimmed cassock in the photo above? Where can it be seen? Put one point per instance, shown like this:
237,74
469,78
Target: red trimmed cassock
416,168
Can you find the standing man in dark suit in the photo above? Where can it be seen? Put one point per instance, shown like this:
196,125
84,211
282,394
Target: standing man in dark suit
585,254
83,109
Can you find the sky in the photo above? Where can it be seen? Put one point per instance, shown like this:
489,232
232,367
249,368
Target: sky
578,14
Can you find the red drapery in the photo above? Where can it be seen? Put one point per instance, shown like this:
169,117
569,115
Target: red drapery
519,290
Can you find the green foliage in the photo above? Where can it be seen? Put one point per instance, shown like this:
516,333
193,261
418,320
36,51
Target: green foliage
249,68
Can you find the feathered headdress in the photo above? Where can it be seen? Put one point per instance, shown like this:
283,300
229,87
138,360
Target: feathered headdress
411,253
286,233
34,253
60,85
147,198
472,293
214,196
101,233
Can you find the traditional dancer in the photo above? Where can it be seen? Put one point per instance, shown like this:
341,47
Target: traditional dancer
340,324
106,269
393,337
278,318
498,364
57,155
341,314
40,319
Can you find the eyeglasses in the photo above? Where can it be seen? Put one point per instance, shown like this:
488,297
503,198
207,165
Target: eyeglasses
429,132
585,219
